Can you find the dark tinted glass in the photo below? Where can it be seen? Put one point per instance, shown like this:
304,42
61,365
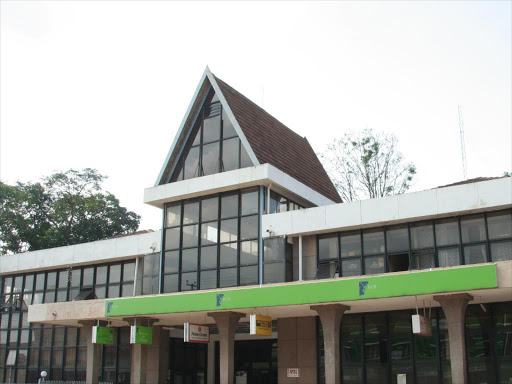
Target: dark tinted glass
171,283
328,247
208,279
249,275
228,255
373,242
475,254
248,252
422,235
397,239
189,281
249,227
400,335
209,257
250,202
350,244
210,209
197,137
173,215
447,232
192,164
352,339
228,277
230,153
211,158
229,205
274,273
373,265
499,225
422,259
228,230
375,350
211,129
473,228
189,259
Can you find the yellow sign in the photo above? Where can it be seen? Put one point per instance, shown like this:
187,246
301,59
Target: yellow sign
261,325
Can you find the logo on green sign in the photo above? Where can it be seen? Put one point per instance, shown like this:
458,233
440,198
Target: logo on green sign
141,335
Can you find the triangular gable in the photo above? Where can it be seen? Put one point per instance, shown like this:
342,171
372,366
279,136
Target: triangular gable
207,82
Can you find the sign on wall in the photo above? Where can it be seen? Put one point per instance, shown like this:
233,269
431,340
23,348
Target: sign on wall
102,335
292,372
421,325
260,325
196,333
141,335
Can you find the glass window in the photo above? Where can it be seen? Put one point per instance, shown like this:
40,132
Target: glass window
75,277
248,252
400,335
39,282
211,129
501,251
447,232
374,265
351,267
422,235
228,277
327,270
192,164
191,212
88,277
190,235
274,273
274,250
423,259
209,233
208,279
475,254
373,241
249,275
245,160
499,225
230,152
350,244
229,230
210,209
250,202
172,238
228,129
375,348
173,215
29,283
63,279
448,257
249,227
229,206
128,271
397,239
209,257
115,273
51,280
189,259
328,247
283,204
473,228
228,255
274,202
351,339
101,275
170,283
211,158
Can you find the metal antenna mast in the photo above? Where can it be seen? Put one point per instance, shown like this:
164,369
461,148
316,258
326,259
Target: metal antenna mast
462,144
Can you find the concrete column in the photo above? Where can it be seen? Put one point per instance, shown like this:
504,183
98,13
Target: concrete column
92,374
330,316
138,364
141,353
226,322
157,357
454,308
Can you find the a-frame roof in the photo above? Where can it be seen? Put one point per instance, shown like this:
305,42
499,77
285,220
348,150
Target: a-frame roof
265,139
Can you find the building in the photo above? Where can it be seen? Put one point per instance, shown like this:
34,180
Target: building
252,225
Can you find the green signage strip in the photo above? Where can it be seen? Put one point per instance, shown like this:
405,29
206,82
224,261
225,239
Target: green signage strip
311,292
102,335
141,335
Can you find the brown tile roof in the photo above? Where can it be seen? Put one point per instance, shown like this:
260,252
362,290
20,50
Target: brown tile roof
275,144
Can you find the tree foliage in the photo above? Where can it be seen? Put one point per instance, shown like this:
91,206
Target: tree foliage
367,165
63,209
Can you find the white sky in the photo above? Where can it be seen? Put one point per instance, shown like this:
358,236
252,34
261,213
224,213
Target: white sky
106,84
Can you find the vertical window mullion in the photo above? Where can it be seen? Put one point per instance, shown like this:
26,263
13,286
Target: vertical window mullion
461,247
363,272
198,257
180,244
487,245
436,256
385,230
239,243
162,253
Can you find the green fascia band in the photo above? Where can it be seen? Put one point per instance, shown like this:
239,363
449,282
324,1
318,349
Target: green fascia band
310,292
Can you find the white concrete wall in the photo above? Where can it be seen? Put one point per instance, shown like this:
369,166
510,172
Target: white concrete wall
120,248
460,199
264,174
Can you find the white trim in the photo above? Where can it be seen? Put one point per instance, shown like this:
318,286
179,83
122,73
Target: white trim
231,116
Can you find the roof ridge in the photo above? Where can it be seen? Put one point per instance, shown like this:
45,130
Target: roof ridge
257,106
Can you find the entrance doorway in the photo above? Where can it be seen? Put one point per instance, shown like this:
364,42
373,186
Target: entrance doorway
255,362
187,362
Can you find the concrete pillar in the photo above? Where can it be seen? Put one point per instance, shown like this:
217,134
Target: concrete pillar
92,374
226,323
330,316
454,308
145,360
157,357
138,364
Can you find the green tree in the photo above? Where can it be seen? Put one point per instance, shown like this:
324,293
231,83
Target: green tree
63,209
367,165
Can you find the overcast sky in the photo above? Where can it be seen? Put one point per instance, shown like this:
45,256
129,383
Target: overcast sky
106,84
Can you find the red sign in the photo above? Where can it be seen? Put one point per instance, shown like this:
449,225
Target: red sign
292,372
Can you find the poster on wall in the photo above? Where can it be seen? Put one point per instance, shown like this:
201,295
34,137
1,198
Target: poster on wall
141,335
102,335
260,325
196,333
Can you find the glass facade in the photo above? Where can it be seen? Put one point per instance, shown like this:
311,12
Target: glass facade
212,242
377,347
27,349
445,242
275,203
213,145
